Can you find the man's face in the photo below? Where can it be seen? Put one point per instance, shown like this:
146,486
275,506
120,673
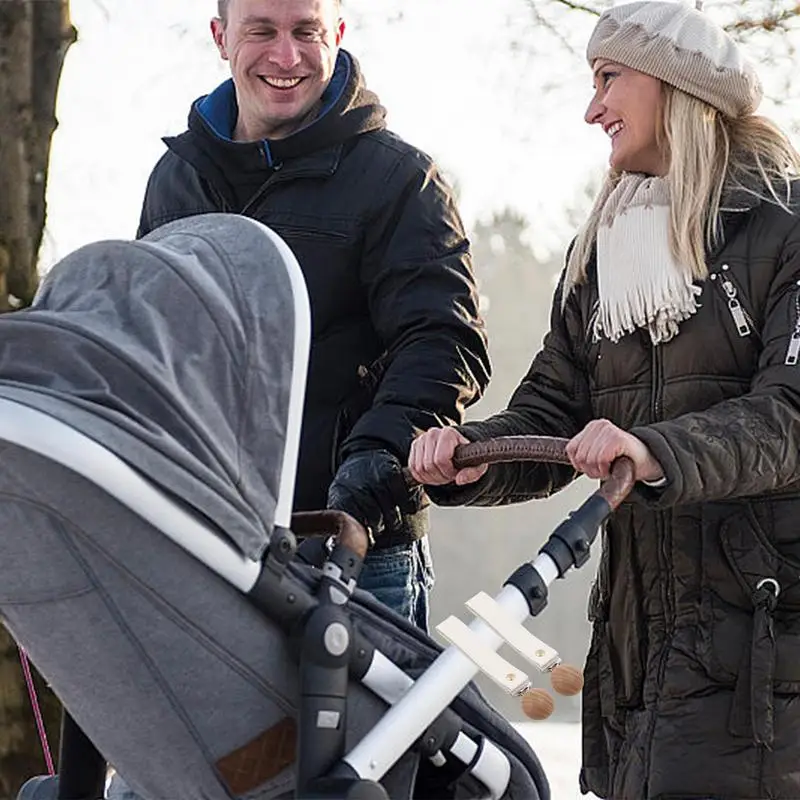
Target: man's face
282,55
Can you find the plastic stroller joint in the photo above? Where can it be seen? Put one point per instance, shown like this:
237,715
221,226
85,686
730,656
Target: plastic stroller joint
570,543
324,662
440,735
282,548
348,562
532,586
284,601
362,655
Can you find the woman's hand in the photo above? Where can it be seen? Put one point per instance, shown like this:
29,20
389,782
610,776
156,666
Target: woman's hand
600,443
430,460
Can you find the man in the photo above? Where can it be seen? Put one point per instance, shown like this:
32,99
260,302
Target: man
296,141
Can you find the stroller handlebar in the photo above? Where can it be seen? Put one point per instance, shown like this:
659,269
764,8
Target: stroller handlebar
544,449
502,449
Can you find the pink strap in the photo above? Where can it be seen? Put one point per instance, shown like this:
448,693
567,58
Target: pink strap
26,669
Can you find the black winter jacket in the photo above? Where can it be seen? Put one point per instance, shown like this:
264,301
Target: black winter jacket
397,342
693,673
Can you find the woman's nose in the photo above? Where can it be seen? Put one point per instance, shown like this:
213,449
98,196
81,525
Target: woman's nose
594,112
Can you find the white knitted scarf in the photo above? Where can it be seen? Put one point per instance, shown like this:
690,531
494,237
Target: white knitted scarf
640,285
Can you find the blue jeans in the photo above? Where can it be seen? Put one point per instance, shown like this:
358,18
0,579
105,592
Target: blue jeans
401,577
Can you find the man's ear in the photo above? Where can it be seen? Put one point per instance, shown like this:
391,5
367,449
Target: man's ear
218,32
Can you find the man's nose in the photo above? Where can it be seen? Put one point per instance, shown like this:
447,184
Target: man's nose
285,53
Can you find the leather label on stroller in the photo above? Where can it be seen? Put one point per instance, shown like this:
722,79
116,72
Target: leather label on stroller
260,760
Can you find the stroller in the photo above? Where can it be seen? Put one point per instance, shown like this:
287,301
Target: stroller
150,410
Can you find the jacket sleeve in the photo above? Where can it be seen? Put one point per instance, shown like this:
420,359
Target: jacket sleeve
747,445
423,301
552,400
153,199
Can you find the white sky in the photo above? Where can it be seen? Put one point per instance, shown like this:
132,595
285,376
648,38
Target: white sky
498,102
445,71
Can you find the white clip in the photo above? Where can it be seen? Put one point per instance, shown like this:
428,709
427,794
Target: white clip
541,655
503,673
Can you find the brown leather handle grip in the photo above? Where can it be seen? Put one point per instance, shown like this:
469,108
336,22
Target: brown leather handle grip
511,448
548,449
348,531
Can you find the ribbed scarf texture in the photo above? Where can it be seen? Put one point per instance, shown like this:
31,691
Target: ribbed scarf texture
639,282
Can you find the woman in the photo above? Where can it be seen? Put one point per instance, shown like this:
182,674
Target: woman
674,340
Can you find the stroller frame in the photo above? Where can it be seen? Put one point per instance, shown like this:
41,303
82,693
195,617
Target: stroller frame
419,709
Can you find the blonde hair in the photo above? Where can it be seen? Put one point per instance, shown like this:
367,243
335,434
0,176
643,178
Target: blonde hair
709,154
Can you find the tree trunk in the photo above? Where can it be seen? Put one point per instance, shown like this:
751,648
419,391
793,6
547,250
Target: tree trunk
34,38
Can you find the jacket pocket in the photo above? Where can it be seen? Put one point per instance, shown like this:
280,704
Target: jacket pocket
320,234
749,633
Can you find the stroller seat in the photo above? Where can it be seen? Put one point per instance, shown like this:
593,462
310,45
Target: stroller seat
146,480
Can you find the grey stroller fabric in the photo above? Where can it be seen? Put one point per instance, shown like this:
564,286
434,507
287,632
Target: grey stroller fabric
165,666
177,353
182,355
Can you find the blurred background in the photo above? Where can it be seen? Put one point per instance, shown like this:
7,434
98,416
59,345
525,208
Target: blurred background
495,92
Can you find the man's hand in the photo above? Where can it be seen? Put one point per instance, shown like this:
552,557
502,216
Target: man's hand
600,443
370,486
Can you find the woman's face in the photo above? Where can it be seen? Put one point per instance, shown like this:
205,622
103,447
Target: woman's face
627,104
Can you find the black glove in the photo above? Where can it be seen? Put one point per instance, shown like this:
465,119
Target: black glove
371,487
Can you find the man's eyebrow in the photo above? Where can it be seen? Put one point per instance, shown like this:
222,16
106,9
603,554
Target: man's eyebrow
255,19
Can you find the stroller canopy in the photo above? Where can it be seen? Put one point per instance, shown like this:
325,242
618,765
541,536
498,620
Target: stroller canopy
185,354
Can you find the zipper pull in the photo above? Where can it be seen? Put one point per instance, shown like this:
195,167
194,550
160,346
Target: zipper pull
739,317
793,352
735,307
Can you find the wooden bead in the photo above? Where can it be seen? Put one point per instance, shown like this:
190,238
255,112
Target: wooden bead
537,704
566,680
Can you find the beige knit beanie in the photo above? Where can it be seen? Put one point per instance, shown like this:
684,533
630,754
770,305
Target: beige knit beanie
682,47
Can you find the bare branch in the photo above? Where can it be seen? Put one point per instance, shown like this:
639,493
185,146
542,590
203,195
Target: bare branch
773,20
541,21
576,6
768,23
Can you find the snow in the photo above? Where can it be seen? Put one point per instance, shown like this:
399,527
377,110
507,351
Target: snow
558,747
